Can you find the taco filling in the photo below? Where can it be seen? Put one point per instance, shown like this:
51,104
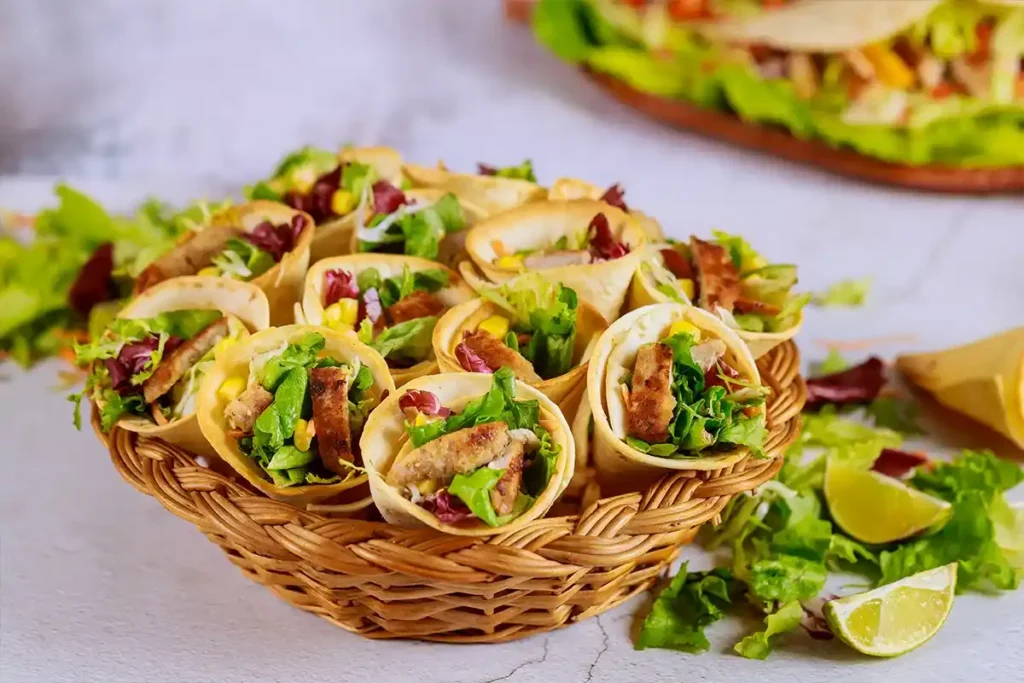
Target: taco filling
523,171
487,463
226,251
725,276
946,88
399,225
299,413
395,316
151,368
535,338
595,244
683,399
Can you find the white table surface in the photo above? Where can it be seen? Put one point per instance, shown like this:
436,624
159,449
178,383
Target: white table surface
100,583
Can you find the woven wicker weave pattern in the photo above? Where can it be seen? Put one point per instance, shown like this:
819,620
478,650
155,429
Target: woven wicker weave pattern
382,581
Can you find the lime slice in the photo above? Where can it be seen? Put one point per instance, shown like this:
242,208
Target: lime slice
1008,523
874,508
897,618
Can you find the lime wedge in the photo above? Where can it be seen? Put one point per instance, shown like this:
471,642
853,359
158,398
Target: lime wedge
1008,521
874,508
894,619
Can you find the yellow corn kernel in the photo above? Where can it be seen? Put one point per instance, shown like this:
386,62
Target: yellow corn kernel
304,433
686,284
342,202
349,311
686,326
302,178
209,270
427,487
496,326
420,420
223,345
231,388
889,67
509,262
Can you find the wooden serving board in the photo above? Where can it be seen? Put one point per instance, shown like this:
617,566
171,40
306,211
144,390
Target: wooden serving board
779,143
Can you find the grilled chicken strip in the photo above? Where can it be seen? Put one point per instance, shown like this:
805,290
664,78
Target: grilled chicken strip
174,366
494,352
189,257
328,389
651,403
505,492
241,413
744,305
418,304
717,278
451,454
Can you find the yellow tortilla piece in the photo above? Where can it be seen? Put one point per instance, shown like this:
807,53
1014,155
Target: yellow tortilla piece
983,380
385,439
389,265
235,363
241,300
490,193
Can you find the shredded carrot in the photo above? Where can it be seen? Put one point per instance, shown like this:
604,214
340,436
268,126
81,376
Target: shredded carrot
862,344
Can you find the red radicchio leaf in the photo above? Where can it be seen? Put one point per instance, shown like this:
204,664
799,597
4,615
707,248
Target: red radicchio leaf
317,202
369,306
814,621
94,283
602,242
448,508
386,197
898,464
484,169
614,195
470,361
339,284
677,264
424,402
277,240
298,224
132,359
859,384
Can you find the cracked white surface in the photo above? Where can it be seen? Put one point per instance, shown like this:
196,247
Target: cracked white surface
99,583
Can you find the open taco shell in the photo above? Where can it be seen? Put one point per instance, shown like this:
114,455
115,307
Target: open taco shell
389,265
334,238
350,493
620,467
983,380
568,189
822,25
564,389
537,225
643,291
385,439
241,300
491,193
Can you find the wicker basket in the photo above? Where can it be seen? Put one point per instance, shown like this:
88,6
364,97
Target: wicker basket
382,581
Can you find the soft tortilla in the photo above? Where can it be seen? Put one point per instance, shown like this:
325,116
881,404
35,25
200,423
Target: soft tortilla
384,439
567,189
491,193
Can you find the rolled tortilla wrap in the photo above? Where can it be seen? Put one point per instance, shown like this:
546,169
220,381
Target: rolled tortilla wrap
385,440
568,189
538,225
236,364
620,466
241,300
388,265
492,194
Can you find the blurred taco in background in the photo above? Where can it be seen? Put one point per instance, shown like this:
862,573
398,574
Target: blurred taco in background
912,82
467,454
726,277
285,409
493,189
330,187
146,366
589,246
537,328
392,303
567,189
262,242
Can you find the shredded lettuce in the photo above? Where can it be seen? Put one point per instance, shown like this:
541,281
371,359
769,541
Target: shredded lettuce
243,260
691,602
523,171
415,232
845,293
409,340
300,167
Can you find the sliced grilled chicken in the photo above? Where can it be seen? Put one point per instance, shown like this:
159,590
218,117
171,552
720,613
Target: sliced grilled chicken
174,366
189,257
328,389
419,304
717,278
651,403
241,414
494,352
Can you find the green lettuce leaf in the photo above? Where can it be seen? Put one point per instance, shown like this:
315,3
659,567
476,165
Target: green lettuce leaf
759,645
691,602
300,354
243,260
978,471
475,491
786,578
409,340
523,171
848,293
834,362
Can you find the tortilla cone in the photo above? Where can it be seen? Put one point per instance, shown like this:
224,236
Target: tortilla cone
241,300
644,291
236,363
490,193
283,283
384,439
568,189
334,237
467,316
537,225
822,25
983,379
620,467
389,265
453,245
